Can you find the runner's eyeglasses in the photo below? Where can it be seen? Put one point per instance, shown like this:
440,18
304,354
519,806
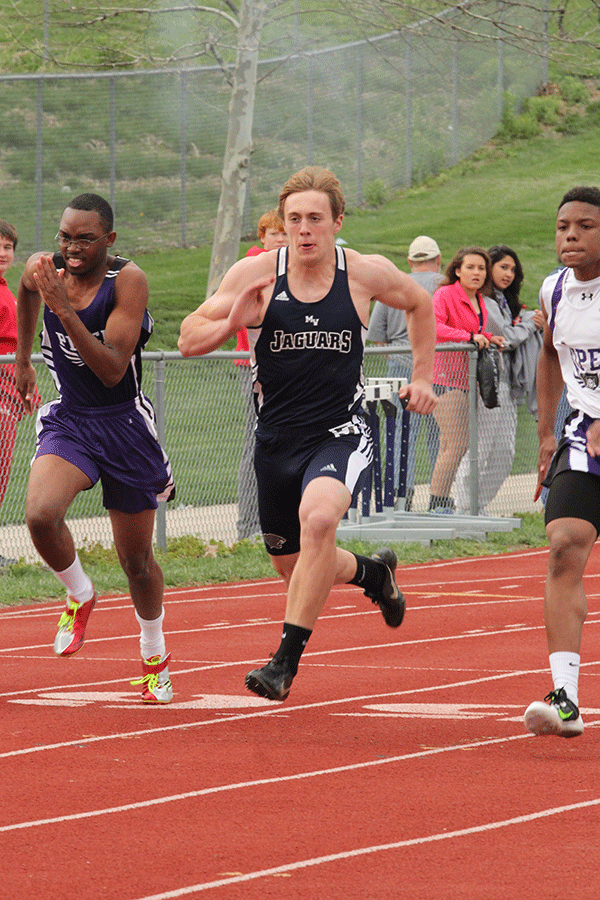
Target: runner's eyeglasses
80,243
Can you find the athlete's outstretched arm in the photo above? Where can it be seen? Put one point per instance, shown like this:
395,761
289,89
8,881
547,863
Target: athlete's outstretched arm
238,302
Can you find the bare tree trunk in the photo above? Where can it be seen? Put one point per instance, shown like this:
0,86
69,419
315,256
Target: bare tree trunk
238,148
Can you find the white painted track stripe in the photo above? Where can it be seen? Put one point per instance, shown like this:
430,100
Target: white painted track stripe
257,714
365,851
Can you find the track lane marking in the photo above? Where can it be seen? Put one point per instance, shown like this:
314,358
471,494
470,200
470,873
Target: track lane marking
261,782
377,848
262,713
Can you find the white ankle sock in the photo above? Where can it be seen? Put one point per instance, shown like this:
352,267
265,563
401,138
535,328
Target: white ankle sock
77,583
565,673
152,640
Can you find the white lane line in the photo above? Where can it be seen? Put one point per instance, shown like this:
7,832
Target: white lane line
253,623
224,664
262,713
299,776
377,848
307,656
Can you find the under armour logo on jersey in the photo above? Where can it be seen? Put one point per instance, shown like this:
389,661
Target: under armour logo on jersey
311,320
282,296
328,468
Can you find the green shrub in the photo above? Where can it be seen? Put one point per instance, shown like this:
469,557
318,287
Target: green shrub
545,110
592,113
519,127
376,193
572,123
573,90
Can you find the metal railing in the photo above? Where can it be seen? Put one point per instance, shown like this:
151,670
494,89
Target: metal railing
201,414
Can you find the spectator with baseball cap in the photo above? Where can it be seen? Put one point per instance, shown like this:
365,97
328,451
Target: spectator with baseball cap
424,249
388,326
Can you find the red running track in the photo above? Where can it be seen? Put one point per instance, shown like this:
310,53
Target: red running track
397,768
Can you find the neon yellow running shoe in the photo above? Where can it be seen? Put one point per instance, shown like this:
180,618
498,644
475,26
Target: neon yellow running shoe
72,625
156,681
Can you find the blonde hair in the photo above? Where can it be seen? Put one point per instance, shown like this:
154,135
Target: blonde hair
270,219
314,178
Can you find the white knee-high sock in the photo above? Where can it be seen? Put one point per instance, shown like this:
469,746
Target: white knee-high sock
78,584
152,639
565,673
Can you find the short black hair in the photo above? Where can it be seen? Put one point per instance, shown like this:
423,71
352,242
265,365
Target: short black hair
95,203
589,195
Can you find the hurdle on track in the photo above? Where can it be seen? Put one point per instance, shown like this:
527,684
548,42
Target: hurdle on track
383,494
389,521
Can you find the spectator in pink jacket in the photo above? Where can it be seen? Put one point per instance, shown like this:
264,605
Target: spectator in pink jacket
460,316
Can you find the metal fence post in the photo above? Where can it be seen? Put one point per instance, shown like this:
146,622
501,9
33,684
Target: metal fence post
113,143
455,124
473,442
39,149
159,388
183,158
500,29
408,113
309,112
359,128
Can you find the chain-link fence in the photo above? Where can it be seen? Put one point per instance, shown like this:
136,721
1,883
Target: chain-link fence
201,412
382,113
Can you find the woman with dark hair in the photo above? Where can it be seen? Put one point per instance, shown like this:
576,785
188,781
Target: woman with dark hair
497,428
460,316
507,277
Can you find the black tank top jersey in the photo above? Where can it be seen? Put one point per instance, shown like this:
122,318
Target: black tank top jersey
307,357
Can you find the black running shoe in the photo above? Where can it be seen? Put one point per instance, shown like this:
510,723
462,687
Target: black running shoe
273,681
389,599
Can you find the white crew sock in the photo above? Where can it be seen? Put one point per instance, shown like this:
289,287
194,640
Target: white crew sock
152,639
78,584
565,673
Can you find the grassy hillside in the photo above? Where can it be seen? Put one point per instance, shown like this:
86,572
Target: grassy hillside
504,193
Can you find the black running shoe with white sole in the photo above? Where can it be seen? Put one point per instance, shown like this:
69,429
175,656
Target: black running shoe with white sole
557,715
389,599
273,681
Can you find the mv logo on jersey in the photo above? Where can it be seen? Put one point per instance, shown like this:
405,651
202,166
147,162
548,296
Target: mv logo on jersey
311,320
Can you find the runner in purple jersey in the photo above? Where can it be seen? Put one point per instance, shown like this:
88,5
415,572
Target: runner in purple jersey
101,429
306,310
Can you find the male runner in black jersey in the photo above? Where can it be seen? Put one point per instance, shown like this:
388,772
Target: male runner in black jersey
306,308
